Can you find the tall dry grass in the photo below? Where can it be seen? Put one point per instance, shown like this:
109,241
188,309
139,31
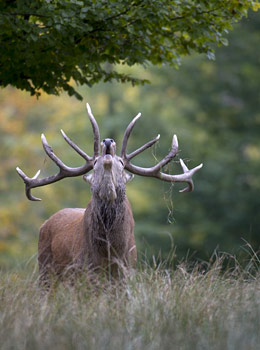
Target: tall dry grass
156,308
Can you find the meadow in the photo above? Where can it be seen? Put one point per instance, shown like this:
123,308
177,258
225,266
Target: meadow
205,306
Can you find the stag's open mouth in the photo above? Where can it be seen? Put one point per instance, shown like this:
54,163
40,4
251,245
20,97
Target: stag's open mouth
108,150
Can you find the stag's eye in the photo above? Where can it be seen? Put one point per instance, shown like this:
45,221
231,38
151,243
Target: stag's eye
121,162
95,161
111,140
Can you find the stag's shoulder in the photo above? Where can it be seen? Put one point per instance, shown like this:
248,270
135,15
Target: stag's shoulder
66,215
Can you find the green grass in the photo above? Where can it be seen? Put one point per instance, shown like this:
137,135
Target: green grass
155,308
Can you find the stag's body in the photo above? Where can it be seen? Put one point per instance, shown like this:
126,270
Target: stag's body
100,237
77,238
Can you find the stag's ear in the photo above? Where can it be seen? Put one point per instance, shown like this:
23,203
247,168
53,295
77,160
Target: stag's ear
128,177
88,178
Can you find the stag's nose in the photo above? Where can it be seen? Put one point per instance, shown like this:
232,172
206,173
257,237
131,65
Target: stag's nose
108,143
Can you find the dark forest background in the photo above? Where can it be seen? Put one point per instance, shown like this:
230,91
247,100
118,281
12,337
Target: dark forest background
212,106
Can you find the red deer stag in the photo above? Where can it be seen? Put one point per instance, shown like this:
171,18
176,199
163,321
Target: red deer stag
101,236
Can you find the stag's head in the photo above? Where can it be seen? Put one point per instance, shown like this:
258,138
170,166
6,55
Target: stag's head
109,178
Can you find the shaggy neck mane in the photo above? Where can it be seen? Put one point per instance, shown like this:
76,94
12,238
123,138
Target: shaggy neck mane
107,215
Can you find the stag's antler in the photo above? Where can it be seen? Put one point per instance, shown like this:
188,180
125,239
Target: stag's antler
155,171
64,171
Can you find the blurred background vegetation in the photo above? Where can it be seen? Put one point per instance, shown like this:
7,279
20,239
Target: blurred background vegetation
212,106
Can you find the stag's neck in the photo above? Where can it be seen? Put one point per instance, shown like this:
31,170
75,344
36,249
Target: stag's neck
107,215
107,226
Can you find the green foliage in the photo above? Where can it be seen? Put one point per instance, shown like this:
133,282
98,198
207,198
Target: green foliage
45,44
155,309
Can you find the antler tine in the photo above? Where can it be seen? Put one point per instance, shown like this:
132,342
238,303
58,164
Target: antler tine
27,180
143,148
52,155
75,147
127,134
155,171
185,177
64,171
170,155
185,169
95,131
165,160
128,131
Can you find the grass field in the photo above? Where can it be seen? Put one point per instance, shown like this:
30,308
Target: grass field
155,308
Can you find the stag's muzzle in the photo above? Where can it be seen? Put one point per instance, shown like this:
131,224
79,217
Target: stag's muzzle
108,146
